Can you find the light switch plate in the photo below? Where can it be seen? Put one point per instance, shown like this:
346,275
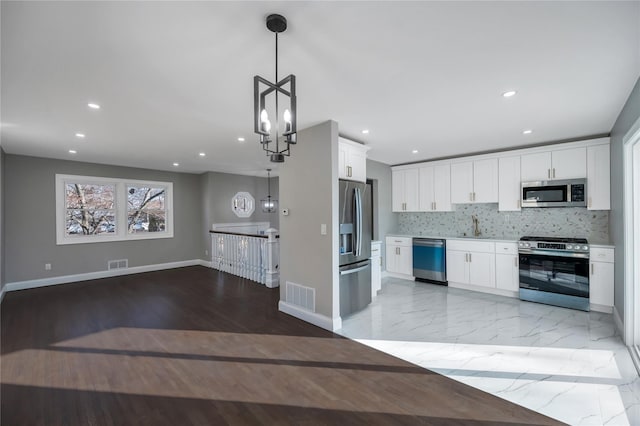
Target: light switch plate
323,229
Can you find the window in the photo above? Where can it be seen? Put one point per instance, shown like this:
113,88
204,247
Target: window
95,209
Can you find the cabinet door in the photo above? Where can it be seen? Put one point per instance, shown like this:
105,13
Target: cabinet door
598,178
601,283
397,190
411,190
392,258
535,166
426,189
457,266
342,161
507,273
357,160
462,183
405,260
482,269
442,188
509,184
569,163
485,181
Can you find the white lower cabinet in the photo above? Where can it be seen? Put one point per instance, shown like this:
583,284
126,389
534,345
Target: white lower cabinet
376,267
400,255
507,268
601,277
471,262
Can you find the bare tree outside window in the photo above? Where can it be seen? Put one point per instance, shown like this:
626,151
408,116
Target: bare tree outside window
146,209
90,209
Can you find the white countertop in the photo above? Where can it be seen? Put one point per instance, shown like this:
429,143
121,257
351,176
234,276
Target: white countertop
597,244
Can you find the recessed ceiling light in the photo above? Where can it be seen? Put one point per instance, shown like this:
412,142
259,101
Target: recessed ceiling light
202,154
80,135
240,139
415,151
365,132
509,94
527,132
176,164
93,106
73,151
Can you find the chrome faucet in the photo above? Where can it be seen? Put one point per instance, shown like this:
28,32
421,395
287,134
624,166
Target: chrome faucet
476,229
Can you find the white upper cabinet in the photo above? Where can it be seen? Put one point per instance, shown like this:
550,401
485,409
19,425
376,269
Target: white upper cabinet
435,188
559,164
509,184
474,181
598,178
462,183
352,160
404,190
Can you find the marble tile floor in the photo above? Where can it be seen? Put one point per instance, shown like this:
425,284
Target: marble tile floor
567,364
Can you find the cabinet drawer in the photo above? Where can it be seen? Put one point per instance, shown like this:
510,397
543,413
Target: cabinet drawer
506,248
471,245
400,241
601,255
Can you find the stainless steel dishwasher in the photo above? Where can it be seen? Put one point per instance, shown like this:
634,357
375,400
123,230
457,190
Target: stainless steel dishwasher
430,260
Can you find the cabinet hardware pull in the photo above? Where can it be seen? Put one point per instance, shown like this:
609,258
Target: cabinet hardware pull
469,257
549,173
589,203
592,268
397,250
474,196
515,260
434,205
554,172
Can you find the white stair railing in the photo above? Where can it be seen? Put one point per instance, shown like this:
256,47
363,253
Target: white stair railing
250,256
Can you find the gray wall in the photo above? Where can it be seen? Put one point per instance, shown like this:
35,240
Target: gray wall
309,189
384,221
217,191
2,281
625,120
30,238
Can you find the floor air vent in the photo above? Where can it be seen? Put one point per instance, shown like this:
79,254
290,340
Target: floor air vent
301,296
118,264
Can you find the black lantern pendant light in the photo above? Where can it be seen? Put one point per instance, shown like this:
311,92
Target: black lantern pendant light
269,205
286,88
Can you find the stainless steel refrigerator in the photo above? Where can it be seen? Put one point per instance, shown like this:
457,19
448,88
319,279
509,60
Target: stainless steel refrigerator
355,246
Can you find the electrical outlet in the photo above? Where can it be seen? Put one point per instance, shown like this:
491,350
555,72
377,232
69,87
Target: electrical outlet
206,252
323,229
47,266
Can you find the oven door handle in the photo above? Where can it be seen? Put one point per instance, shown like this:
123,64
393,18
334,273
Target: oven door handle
554,254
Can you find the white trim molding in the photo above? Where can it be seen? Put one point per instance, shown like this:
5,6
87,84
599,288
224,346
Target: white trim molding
64,279
322,321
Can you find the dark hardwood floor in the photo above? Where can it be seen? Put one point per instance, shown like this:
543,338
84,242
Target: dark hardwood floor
196,346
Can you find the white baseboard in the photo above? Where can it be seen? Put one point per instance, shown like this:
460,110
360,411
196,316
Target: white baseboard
314,318
401,276
64,279
635,356
489,290
618,322
601,308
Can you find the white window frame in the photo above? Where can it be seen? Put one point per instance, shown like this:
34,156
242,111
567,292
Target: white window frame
120,207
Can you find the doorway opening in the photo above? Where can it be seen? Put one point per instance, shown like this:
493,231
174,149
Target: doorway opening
631,146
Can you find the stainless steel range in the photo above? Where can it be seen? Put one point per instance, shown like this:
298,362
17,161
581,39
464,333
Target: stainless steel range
555,271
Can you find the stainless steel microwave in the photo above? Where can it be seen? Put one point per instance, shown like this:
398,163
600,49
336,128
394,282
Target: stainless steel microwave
555,193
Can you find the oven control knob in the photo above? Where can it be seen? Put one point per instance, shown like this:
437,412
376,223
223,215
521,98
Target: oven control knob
585,247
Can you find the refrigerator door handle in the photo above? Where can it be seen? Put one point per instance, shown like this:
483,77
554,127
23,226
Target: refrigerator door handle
358,219
353,271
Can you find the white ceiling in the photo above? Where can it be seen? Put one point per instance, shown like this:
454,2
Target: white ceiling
175,78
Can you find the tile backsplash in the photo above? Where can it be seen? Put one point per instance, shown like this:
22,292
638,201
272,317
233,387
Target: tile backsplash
573,222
